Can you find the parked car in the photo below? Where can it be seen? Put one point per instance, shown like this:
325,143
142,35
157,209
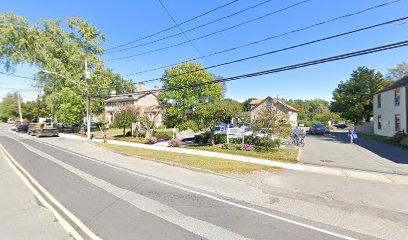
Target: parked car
319,129
33,129
340,125
47,132
22,128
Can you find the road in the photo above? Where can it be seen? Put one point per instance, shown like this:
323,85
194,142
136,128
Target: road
367,155
104,195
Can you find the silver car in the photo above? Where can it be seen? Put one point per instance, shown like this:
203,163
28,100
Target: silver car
47,132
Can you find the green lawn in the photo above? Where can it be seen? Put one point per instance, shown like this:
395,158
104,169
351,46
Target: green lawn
208,163
287,155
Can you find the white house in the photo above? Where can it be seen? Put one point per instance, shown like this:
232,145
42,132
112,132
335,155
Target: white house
258,105
391,108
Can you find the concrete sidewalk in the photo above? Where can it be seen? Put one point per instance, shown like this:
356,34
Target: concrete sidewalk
366,175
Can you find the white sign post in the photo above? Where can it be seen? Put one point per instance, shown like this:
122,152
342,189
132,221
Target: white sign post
227,134
243,136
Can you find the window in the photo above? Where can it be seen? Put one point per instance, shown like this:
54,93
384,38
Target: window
397,122
397,95
379,100
379,122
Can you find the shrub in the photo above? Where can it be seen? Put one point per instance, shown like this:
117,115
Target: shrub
163,134
225,146
202,138
240,147
128,134
404,142
220,138
399,136
150,140
174,143
249,147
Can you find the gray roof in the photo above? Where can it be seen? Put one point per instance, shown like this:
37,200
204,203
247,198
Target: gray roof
125,98
400,83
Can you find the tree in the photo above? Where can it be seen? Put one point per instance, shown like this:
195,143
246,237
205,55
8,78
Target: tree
66,106
60,47
182,104
220,111
9,107
245,104
126,117
272,122
398,72
353,99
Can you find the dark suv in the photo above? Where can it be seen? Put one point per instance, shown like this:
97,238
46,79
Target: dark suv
319,129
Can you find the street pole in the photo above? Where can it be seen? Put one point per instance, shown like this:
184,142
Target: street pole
88,103
19,108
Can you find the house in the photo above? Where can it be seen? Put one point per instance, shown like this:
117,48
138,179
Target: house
258,105
391,108
148,103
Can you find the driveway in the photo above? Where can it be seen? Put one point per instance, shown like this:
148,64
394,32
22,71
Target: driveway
367,155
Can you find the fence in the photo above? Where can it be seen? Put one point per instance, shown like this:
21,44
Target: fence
365,127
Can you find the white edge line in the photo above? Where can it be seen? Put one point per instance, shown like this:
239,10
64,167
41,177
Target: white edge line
208,196
71,216
65,225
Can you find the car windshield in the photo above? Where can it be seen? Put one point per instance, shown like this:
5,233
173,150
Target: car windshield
319,125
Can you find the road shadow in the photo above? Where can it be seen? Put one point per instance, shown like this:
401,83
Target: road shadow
391,152
334,137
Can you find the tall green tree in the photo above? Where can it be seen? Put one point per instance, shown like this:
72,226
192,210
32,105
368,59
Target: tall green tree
60,47
353,99
398,72
182,104
126,117
9,107
245,104
219,111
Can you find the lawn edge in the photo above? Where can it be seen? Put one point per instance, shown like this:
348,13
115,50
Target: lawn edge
173,164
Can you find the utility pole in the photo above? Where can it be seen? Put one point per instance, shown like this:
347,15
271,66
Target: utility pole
38,99
88,103
19,108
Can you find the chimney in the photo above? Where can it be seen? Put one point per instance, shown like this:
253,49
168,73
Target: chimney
142,87
113,92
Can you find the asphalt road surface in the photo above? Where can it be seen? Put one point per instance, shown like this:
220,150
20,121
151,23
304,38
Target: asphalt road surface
100,200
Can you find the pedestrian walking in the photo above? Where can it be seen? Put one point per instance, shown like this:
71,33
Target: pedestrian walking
352,135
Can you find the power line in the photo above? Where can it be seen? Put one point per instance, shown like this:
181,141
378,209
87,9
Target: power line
14,75
285,68
268,38
283,49
216,32
181,30
182,23
194,28
276,36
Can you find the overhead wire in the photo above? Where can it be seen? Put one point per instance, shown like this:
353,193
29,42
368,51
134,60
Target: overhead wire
213,33
381,48
283,49
262,40
172,27
194,28
272,37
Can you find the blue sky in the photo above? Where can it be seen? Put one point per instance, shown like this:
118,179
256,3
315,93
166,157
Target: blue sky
124,21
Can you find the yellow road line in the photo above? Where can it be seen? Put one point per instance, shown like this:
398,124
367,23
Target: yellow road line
31,182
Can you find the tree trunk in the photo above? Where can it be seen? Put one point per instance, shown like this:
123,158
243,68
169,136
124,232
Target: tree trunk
124,131
212,136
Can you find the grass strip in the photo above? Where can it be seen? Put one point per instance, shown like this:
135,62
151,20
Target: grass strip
286,155
217,165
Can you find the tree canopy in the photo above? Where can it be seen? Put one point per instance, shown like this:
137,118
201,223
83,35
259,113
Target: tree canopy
60,49
182,104
398,72
353,99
